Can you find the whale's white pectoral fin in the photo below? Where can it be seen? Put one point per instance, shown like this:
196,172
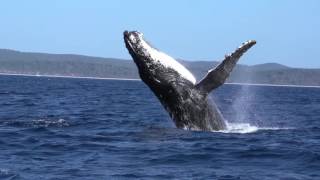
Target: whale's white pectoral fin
217,76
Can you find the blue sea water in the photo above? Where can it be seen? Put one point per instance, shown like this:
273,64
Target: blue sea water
62,128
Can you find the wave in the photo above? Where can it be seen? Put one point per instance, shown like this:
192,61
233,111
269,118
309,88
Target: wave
6,173
37,123
50,123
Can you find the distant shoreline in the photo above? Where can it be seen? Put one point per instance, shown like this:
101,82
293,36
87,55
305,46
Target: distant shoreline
74,77
275,85
128,79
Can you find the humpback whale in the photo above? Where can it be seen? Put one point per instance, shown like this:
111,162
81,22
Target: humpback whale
185,100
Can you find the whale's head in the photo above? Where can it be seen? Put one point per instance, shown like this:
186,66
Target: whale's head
155,67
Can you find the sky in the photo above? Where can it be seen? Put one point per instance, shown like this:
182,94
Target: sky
286,31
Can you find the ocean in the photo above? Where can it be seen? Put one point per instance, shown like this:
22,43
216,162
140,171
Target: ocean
65,128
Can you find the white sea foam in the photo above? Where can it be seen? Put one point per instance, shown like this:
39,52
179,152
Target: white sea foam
243,128
240,128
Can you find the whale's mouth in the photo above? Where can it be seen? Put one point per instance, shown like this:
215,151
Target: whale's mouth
127,41
126,35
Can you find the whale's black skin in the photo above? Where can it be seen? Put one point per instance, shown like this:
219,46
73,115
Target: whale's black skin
186,102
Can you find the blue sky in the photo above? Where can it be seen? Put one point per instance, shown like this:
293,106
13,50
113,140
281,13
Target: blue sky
287,31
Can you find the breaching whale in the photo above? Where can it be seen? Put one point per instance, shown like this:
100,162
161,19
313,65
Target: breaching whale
185,100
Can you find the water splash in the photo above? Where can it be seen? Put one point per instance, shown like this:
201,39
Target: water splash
245,119
242,106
